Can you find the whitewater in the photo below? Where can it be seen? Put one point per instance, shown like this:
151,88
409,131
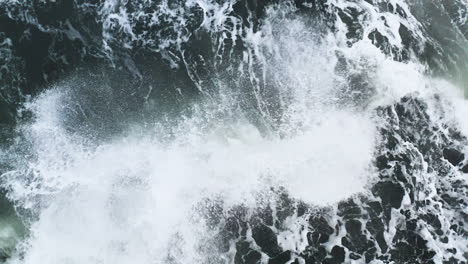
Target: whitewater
207,131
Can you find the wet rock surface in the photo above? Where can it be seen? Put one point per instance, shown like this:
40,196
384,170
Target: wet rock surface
453,156
402,220
415,211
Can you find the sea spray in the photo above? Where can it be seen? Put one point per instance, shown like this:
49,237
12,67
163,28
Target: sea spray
235,132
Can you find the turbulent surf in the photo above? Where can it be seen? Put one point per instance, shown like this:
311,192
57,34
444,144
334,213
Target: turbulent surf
233,131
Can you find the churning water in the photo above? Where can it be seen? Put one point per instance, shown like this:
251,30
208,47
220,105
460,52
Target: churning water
234,131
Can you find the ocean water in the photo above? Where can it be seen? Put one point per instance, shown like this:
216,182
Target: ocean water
205,131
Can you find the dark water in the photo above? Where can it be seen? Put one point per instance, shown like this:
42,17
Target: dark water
207,131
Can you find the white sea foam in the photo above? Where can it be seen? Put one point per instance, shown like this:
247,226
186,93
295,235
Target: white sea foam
123,201
132,199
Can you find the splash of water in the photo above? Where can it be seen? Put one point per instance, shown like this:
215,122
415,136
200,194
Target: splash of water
304,121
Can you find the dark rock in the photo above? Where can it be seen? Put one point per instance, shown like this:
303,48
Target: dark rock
338,255
266,239
465,169
357,243
354,256
453,156
281,258
375,208
301,209
382,162
398,172
370,254
381,242
353,227
348,209
265,215
454,228
313,255
253,257
410,248
376,227
321,231
242,248
451,260
453,201
391,193
403,252
411,225
452,250
433,220
322,252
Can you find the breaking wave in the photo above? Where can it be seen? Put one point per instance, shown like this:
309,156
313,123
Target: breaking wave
207,131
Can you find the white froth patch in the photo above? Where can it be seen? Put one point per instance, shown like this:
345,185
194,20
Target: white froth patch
123,201
455,96
330,161
461,113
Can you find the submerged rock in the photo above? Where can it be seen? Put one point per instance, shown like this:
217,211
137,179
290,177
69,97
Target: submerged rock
266,239
281,258
392,224
453,156
465,169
